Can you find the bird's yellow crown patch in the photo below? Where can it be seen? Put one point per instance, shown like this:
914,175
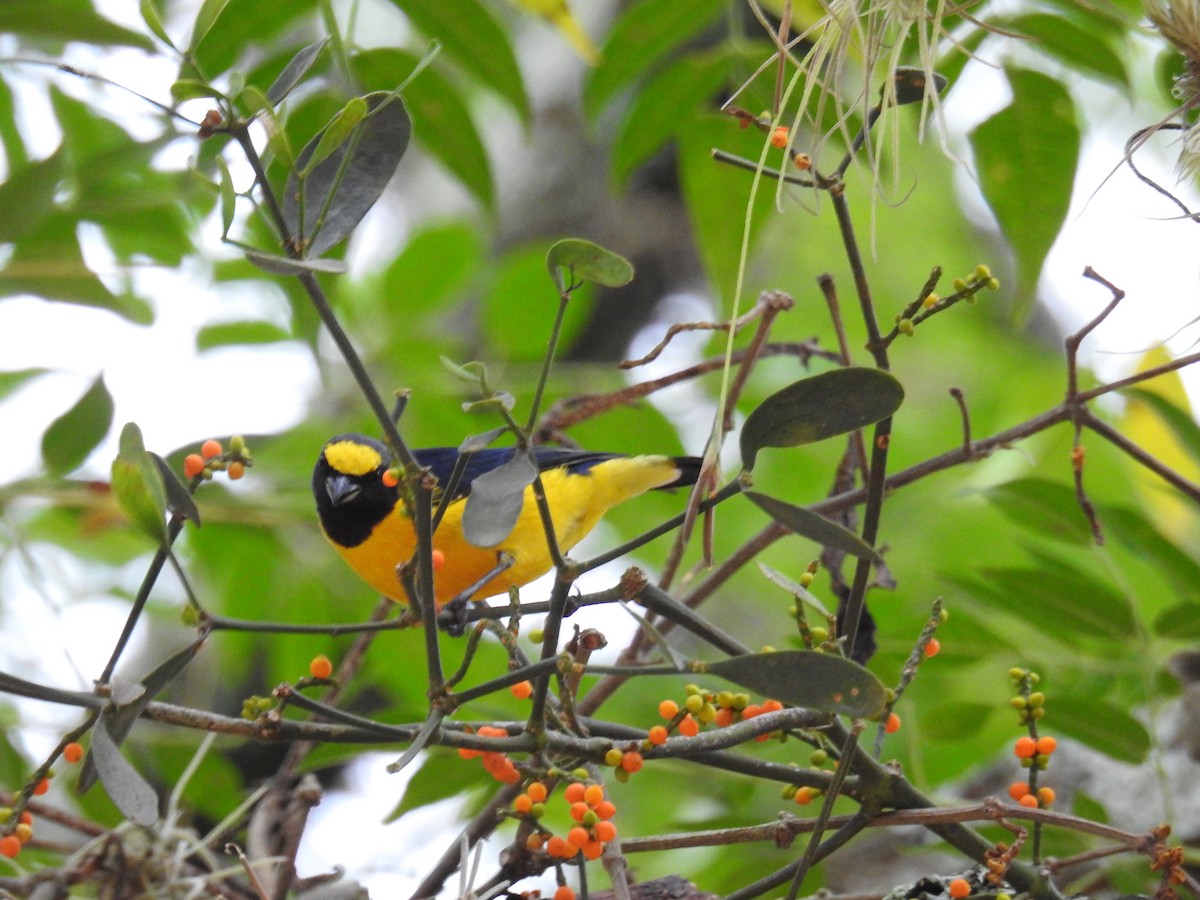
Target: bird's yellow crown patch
352,458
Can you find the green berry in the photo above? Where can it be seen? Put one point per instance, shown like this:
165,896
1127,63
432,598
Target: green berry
537,635
993,284
1036,699
806,578
960,285
982,272
694,703
905,327
819,634
613,757
818,758
1018,702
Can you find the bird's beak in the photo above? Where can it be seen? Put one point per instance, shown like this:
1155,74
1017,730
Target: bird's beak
340,489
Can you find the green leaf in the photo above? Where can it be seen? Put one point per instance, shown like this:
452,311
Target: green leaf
472,37
655,111
644,33
441,775
65,21
210,11
1181,622
436,265
1026,156
285,265
77,432
1102,725
1133,529
1048,508
1179,420
193,89
820,407
1080,49
138,486
12,381
807,678
572,260
518,277
794,588
30,189
336,133
1062,603
180,502
950,721
340,191
495,501
442,121
293,73
228,196
239,333
153,19
813,526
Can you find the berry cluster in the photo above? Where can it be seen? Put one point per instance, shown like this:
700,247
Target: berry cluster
214,458
704,707
1032,750
497,764
589,808
15,836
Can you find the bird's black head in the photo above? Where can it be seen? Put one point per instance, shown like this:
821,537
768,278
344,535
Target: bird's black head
348,487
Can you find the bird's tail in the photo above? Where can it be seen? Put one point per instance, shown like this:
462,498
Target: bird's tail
689,471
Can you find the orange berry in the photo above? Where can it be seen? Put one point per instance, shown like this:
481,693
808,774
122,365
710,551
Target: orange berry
592,850
73,752
751,710
1046,745
1029,800
390,478
771,706
23,832
959,888
26,817
10,846
564,893
535,841
510,775
933,647
579,810
521,690
631,761
210,448
468,753
1046,796
236,470
1025,747
593,794
892,725
604,831
657,735
724,717
688,726
320,667
779,137
573,793
605,809
42,787
578,836
668,708
556,846
803,795
1018,789
802,161
193,465
522,803
537,792
570,851
438,559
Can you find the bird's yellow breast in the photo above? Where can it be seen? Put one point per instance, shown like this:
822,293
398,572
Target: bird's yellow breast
577,502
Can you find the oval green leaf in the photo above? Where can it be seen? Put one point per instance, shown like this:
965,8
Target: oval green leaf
137,485
336,133
809,679
285,265
295,70
813,526
496,500
1102,725
340,191
820,407
1049,508
77,432
572,260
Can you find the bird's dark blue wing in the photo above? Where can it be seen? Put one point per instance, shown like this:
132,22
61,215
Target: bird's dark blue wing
441,460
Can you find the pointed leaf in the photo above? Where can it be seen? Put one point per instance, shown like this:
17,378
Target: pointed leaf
12,381
225,334
819,407
807,678
1179,421
794,588
1048,508
56,20
572,260
228,196
138,486
813,526
77,432
374,152
496,500
1102,725
193,89
336,133
1026,155
1064,602
153,20
179,501
1082,50
31,189
130,792
477,442
1181,622
472,37
293,73
285,265
210,11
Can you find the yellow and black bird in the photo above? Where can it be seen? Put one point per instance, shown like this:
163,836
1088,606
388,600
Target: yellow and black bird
368,525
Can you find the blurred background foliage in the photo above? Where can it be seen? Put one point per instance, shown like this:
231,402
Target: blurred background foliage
517,142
